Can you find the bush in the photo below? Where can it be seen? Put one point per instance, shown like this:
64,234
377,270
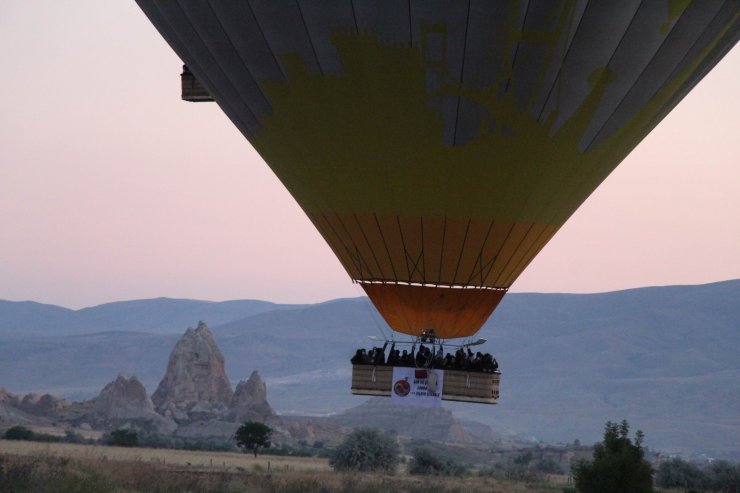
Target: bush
23,433
18,433
723,476
73,437
427,461
677,473
366,450
123,438
548,466
719,475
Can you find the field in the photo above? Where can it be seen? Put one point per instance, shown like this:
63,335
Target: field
222,461
57,467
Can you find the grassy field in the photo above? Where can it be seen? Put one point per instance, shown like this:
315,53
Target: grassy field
60,468
224,461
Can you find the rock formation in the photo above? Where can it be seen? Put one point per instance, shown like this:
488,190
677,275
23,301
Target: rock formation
125,401
43,405
7,397
415,422
193,400
9,410
123,398
33,408
250,402
195,385
313,429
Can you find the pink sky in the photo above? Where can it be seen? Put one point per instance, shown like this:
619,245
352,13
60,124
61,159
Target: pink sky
112,188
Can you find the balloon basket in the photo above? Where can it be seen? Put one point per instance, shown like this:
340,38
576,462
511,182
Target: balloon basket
459,385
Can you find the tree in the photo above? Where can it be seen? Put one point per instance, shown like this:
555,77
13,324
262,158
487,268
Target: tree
723,476
253,436
618,465
366,450
678,473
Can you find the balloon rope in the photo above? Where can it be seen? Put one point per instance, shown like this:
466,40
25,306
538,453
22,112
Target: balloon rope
373,313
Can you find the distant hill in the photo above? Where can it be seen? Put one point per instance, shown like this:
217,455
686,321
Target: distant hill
159,316
664,358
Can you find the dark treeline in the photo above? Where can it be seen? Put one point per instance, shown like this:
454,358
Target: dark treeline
718,475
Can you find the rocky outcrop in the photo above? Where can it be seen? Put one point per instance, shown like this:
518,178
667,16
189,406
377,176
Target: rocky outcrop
43,405
193,400
415,422
39,409
314,429
125,403
123,398
195,385
8,398
10,411
250,402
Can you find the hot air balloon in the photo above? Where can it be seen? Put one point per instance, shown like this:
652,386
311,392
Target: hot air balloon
437,146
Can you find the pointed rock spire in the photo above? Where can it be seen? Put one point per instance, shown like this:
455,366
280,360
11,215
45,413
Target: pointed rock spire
195,382
250,402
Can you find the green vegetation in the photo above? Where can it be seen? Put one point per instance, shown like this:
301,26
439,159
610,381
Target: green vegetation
49,475
618,465
428,462
23,433
252,436
366,450
523,467
46,473
369,456
18,433
74,437
123,438
59,467
154,440
718,475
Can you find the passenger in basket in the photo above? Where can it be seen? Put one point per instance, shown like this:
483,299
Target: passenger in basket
405,358
358,358
439,361
421,357
459,355
380,355
490,365
392,356
448,361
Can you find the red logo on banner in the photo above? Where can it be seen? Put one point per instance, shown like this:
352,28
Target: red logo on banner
420,373
402,388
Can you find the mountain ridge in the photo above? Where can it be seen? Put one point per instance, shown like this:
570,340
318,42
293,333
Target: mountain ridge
662,357
155,315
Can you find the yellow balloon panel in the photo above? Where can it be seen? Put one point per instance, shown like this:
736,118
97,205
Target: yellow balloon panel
446,251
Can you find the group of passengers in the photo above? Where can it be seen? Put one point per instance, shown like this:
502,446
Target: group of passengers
427,357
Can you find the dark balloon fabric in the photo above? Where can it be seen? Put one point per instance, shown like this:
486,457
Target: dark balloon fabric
439,145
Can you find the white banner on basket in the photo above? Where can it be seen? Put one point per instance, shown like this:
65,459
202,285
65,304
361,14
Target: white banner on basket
417,387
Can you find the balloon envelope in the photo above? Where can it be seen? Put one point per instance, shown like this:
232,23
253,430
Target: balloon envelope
438,145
